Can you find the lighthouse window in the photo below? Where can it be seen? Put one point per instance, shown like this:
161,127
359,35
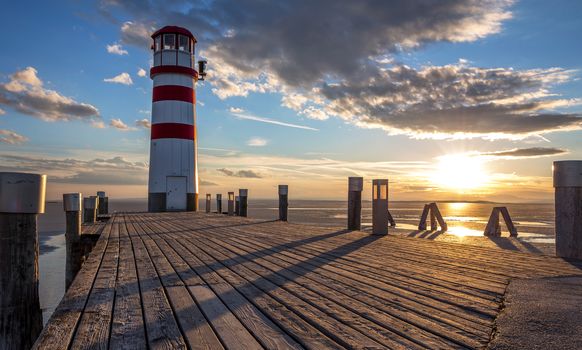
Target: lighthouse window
183,43
169,42
158,43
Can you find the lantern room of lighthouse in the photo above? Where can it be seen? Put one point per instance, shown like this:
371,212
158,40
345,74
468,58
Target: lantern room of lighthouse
173,172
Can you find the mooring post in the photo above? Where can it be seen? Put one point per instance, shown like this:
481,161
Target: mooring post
380,207
231,203
103,203
22,198
283,202
355,187
90,209
208,202
219,203
74,259
568,204
243,194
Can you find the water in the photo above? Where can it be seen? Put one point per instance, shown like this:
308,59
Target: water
534,222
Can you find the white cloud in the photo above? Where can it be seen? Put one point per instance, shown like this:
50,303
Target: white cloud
25,93
257,142
2,112
122,78
141,72
116,49
236,110
137,34
120,125
12,138
143,123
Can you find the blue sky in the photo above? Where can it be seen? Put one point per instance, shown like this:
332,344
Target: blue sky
466,69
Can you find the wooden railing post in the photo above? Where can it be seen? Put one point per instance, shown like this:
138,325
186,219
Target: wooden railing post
380,207
103,203
237,205
219,203
74,259
22,198
355,187
568,206
231,208
283,202
208,202
243,201
90,209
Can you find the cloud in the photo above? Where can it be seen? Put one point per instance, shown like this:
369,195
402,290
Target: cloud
120,125
520,153
143,123
25,93
2,112
123,78
249,174
257,142
116,49
246,116
12,138
137,34
141,72
207,183
102,171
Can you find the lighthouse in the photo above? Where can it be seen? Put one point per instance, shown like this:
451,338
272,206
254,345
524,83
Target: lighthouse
173,173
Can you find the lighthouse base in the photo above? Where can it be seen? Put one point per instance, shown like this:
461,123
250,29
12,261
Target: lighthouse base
157,202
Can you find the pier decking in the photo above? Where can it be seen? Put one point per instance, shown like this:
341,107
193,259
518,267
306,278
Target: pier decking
194,280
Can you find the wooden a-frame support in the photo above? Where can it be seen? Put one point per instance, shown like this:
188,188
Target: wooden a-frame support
493,228
391,219
435,216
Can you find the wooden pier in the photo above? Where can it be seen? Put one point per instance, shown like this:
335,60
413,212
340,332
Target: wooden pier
196,280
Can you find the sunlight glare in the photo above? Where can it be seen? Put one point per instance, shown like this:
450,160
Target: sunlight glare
460,172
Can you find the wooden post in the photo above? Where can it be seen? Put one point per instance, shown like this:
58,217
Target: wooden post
243,202
22,198
391,219
74,260
355,187
423,216
508,222
231,203
283,202
219,203
433,221
439,217
380,207
237,205
208,202
103,203
435,217
568,204
493,228
90,209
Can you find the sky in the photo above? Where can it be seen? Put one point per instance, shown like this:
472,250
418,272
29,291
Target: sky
451,99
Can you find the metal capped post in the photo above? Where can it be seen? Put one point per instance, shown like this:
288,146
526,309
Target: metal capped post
568,206
74,259
243,194
90,209
22,198
283,202
380,207
103,203
219,203
355,187
231,203
208,202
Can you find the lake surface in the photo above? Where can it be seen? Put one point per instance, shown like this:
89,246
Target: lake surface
534,222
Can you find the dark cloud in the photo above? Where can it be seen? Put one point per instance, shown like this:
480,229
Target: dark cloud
532,152
250,174
25,94
207,183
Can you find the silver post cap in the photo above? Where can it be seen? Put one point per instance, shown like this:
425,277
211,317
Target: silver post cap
90,202
72,201
243,192
568,173
284,189
22,193
356,184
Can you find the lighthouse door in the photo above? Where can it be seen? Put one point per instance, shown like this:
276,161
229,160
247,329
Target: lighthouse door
176,193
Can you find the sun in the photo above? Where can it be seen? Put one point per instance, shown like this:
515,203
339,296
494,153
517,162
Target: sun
460,172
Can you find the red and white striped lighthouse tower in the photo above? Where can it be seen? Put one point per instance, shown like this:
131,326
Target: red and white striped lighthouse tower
173,176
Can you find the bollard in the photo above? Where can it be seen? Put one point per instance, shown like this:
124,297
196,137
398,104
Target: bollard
74,259
219,203
568,204
380,207
103,203
355,187
208,203
90,209
283,202
22,198
243,195
237,205
231,203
